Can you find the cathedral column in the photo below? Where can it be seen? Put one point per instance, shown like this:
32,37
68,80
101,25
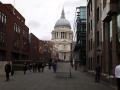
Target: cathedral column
58,35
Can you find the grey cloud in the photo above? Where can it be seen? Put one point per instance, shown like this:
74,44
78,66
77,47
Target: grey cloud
70,3
33,24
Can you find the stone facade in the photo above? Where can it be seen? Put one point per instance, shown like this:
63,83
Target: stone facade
62,37
102,35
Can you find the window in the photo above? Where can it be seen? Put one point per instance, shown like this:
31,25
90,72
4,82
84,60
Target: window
91,25
97,17
91,44
97,38
61,35
110,31
88,11
0,16
2,39
64,56
118,26
104,3
91,5
89,28
57,34
82,13
16,28
3,18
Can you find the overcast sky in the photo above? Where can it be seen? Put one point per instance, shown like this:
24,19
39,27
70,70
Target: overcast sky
41,15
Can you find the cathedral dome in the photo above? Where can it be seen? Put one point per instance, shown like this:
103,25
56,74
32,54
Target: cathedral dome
62,21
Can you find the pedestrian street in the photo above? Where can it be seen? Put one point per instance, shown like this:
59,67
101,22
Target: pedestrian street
48,80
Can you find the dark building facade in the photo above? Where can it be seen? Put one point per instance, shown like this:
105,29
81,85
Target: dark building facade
110,18
80,46
14,34
103,35
34,47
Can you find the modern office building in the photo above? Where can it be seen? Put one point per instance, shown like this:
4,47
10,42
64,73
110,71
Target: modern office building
80,25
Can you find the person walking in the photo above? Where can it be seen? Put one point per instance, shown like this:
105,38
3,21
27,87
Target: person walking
25,68
117,76
7,70
76,65
43,66
50,64
97,73
54,65
39,66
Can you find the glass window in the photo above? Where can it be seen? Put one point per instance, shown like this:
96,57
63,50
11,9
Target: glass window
97,14
97,38
118,25
0,16
5,19
110,31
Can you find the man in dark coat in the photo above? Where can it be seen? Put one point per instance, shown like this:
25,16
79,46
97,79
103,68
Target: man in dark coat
97,73
25,68
7,71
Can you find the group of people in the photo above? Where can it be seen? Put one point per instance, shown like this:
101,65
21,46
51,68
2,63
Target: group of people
39,66
35,67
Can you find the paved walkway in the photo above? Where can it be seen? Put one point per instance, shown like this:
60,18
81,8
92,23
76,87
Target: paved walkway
50,81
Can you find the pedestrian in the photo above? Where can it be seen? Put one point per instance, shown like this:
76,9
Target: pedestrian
39,66
54,65
30,67
25,68
43,66
97,73
50,64
7,70
76,65
117,76
12,71
33,65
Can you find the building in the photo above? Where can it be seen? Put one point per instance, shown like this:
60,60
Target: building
80,46
111,19
103,35
14,34
90,35
34,47
47,51
62,37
